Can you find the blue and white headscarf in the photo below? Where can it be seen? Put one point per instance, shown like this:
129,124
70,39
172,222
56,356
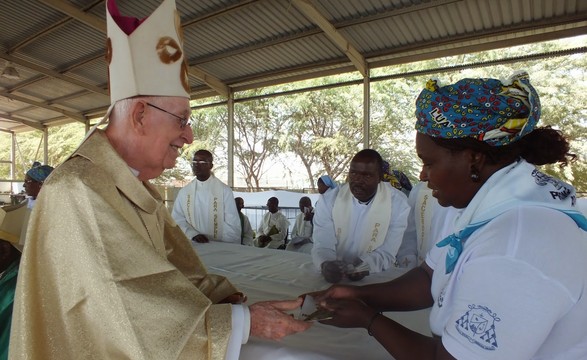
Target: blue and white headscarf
327,180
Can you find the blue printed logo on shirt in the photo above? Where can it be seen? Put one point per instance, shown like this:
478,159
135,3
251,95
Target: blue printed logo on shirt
478,326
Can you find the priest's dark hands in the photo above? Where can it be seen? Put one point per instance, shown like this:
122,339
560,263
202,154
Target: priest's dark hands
333,271
264,240
200,238
356,276
358,270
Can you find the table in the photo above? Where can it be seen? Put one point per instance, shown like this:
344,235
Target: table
269,274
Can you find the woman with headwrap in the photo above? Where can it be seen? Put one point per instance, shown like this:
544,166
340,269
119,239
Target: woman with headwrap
325,183
34,179
398,179
510,282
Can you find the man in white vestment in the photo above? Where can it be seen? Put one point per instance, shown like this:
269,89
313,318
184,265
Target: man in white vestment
301,234
359,226
428,223
247,233
205,209
273,228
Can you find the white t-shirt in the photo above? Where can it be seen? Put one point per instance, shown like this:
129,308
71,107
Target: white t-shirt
518,290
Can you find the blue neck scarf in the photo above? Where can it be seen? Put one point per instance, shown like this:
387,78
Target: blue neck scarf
519,184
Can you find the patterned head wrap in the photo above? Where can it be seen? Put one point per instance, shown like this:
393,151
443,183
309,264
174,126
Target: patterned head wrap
328,181
489,110
39,173
396,178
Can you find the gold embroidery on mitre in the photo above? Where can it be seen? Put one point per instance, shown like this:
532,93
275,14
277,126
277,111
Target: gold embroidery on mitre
163,50
183,76
108,51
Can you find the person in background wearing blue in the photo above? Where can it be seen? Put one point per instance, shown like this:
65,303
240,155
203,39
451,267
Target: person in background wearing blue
510,282
325,183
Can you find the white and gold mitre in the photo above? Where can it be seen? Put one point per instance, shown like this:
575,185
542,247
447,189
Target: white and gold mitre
145,57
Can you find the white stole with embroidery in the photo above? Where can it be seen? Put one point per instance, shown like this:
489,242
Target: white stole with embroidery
215,208
377,218
424,212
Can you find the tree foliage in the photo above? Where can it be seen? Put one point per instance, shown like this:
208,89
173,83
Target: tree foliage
324,130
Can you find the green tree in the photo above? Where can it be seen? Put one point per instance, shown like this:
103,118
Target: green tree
324,130
257,127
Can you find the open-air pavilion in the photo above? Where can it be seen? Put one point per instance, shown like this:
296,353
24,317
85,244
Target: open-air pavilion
53,69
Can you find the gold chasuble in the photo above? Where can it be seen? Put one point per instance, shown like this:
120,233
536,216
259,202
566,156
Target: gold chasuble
107,274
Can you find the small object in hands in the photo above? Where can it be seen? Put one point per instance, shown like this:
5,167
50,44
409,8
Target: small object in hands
310,311
357,272
273,231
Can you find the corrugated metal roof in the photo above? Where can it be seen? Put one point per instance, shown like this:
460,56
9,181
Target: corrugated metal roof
249,43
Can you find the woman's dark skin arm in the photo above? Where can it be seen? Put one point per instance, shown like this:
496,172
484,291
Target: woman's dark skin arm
355,306
410,291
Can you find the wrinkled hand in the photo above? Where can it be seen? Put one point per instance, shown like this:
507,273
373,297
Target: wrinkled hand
269,321
348,313
236,298
333,271
200,238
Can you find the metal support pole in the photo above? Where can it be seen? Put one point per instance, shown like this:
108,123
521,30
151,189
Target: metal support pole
13,158
366,109
46,145
230,165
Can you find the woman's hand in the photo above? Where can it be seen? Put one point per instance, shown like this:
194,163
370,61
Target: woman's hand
269,320
348,313
336,292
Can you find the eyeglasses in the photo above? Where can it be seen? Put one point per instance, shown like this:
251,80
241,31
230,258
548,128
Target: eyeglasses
200,162
182,121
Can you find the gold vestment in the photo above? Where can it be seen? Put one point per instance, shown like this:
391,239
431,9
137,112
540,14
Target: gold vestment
107,274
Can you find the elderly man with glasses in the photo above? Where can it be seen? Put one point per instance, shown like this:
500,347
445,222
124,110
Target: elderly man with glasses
205,209
106,272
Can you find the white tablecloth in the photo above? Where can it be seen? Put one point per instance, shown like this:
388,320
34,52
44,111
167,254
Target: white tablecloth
267,274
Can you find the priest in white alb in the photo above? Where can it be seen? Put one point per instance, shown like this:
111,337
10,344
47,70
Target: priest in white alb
205,209
358,227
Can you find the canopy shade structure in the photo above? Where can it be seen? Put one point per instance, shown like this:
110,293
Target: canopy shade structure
54,71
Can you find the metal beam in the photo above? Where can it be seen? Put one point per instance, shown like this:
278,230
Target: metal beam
216,84
308,8
53,74
47,30
76,13
75,116
18,120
